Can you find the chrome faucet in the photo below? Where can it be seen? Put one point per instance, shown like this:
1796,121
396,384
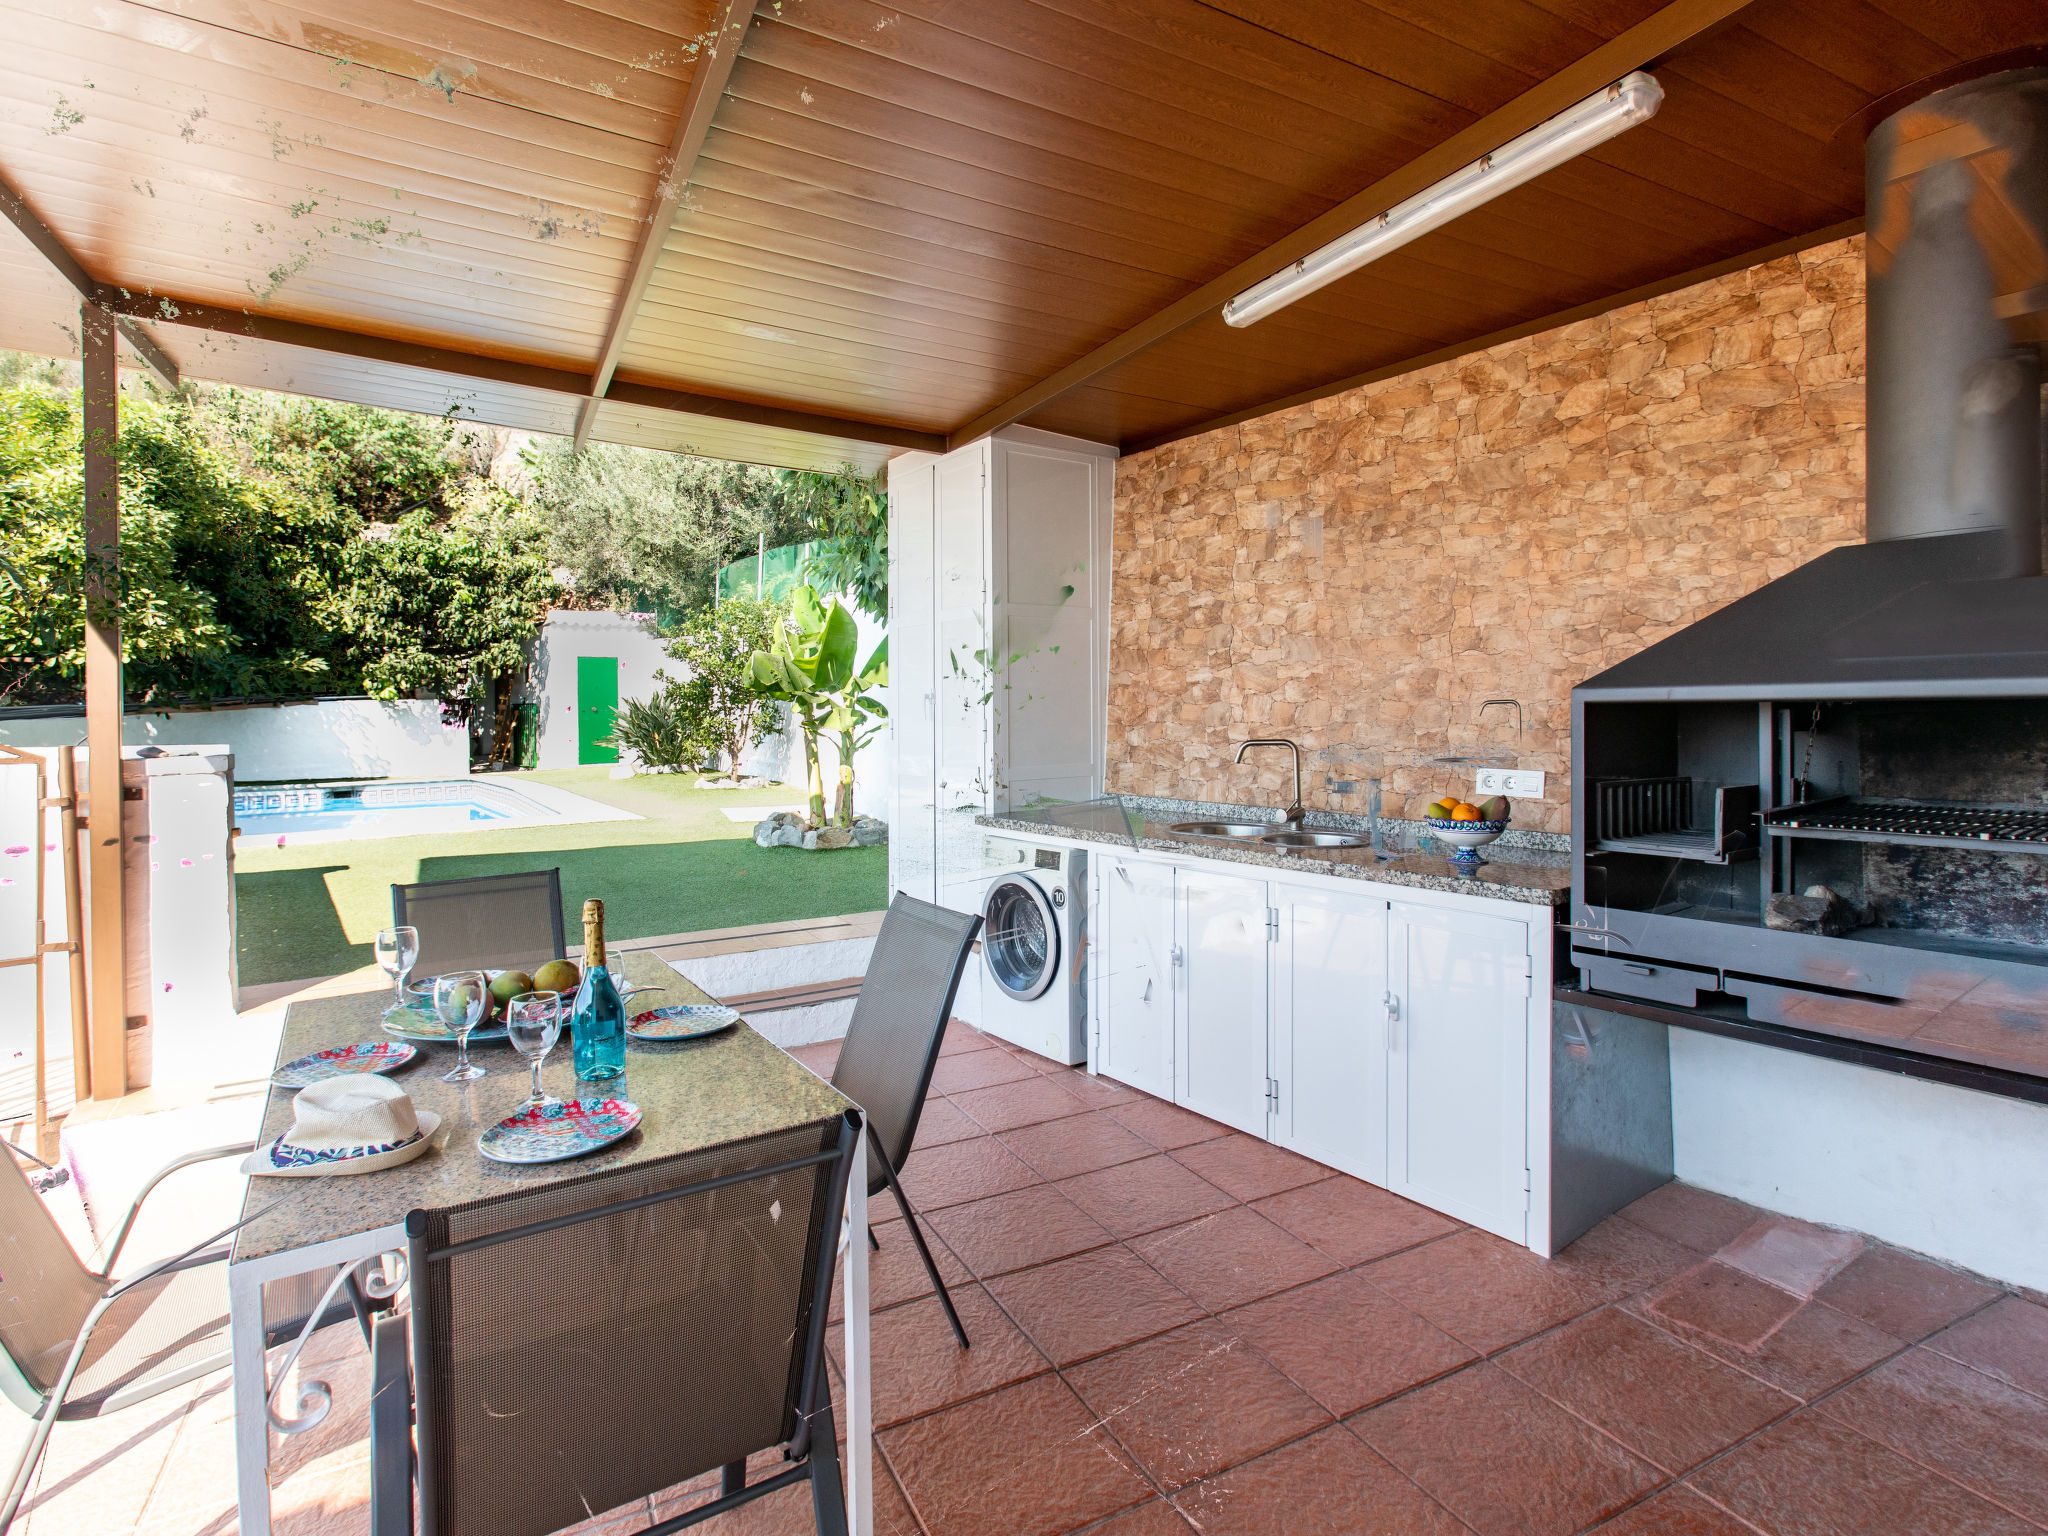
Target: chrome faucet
1294,812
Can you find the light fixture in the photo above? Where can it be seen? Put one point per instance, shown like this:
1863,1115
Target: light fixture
1630,100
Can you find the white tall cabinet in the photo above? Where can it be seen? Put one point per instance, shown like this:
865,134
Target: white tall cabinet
998,643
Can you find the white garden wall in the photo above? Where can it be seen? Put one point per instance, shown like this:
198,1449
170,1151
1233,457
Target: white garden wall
564,638
317,739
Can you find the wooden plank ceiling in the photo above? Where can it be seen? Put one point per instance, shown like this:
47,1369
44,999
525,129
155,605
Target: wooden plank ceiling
890,225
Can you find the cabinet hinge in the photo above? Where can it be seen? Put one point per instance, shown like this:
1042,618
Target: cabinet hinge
1528,976
1528,1187
1272,925
1273,1095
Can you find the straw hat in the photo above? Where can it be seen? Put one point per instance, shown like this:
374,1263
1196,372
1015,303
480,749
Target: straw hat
354,1124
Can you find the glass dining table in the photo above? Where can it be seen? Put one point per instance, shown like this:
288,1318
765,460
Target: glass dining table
692,1095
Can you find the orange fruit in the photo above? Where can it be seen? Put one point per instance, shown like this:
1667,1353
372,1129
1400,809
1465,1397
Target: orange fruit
1465,813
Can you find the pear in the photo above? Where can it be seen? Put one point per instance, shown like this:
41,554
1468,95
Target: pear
557,976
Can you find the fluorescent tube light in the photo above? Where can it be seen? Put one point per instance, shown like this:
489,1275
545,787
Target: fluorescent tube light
1630,100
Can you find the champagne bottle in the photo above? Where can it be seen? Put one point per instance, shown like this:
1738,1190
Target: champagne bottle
598,1016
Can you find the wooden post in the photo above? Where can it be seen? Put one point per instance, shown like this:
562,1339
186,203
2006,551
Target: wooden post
107,954
74,923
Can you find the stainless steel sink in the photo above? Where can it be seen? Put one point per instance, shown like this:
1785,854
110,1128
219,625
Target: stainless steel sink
1239,829
1316,840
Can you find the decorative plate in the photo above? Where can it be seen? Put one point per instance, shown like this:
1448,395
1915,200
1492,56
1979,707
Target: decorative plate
420,1024
682,1021
369,1056
552,1132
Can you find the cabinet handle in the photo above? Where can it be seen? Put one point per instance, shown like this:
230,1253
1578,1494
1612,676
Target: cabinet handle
1148,991
1393,1021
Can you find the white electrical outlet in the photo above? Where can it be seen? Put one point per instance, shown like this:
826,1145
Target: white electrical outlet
1515,783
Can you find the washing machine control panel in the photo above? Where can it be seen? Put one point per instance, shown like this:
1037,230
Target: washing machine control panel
1046,858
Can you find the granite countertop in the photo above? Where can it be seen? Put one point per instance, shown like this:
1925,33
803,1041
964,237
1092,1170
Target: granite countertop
1532,867
692,1095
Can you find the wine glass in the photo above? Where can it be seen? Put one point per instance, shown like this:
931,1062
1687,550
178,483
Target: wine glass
397,950
460,998
533,1022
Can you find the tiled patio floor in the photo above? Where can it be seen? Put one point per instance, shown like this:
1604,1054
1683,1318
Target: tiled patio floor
1178,1327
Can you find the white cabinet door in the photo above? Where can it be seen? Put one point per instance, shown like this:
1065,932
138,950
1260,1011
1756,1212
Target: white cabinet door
1329,1030
1131,973
966,681
1220,1045
1458,1064
913,681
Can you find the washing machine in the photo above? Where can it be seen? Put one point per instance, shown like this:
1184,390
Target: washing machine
1034,933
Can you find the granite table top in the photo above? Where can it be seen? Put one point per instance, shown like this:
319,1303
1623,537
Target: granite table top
691,1095
1538,876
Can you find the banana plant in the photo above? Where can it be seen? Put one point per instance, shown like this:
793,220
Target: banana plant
809,668
856,717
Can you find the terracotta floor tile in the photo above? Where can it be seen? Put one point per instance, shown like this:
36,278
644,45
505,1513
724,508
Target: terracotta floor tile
1092,1303
963,1037
1503,1459
1810,1476
1352,1221
1320,1486
941,1122
1619,1258
895,1274
978,1069
820,1056
1013,1231
1677,1511
1990,1437
2009,1341
1687,1214
1795,1256
961,1171
1158,1518
1143,1196
1193,1402
1167,1126
1027,1101
1043,1065
1483,1290
1725,1304
1904,1295
1230,1258
1814,1352
1062,1149
1346,1342
920,1366
1095,1091
787,1512
1655,1394
1247,1168
1025,1461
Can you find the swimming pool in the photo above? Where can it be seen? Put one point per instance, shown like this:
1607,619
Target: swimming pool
310,813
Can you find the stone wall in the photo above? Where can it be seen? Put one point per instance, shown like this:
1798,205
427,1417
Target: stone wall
1362,573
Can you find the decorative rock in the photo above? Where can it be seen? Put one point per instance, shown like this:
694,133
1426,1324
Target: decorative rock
829,837
784,829
1819,911
869,832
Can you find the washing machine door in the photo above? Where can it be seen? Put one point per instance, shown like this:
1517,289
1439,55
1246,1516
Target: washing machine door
1019,939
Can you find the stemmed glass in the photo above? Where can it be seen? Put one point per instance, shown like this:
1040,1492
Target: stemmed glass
398,949
533,1022
460,998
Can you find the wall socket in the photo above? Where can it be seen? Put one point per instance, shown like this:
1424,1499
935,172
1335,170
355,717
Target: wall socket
1515,783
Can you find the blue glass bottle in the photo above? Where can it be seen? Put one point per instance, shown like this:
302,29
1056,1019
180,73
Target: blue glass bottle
598,1016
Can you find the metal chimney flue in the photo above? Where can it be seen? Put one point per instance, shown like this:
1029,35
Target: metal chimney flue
1957,214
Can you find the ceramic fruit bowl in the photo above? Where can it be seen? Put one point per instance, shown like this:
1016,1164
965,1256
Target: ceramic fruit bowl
1465,838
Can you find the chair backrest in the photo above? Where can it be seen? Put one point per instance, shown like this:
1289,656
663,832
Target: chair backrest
45,1292
589,1341
886,1060
486,920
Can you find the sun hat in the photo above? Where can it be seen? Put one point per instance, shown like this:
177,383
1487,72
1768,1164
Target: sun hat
347,1125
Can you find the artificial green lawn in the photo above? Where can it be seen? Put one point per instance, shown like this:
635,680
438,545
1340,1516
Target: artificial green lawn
314,910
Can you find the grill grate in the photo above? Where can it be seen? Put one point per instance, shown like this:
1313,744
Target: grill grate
1961,823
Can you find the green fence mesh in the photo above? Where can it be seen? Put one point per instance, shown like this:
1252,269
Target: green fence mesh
770,575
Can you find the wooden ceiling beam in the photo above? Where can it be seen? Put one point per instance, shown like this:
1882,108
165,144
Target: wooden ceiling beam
1516,332
721,48
1678,22
58,255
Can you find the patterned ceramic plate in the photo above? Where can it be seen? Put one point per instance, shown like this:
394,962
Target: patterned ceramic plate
419,1024
369,1056
682,1021
556,1131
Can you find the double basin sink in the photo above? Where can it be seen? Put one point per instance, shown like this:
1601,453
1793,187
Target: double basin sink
1258,832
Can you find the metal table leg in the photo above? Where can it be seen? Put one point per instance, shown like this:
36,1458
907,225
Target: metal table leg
860,1477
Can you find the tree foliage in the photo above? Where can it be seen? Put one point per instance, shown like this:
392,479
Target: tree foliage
813,667
849,513
725,710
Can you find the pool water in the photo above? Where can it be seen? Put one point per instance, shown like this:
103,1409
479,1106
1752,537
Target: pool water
298,813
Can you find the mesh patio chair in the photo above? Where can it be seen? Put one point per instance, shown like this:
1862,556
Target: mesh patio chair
76,1343
486,920
588,1342
899,1021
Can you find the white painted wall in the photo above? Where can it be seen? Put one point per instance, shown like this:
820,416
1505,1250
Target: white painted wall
316,739
568,635
1945,1171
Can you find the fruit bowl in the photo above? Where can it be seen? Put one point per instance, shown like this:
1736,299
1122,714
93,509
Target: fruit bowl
1465,837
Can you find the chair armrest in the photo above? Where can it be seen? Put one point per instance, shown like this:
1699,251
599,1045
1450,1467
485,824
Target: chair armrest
391,1450
239,1149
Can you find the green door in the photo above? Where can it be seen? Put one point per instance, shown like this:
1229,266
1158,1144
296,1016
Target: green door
597,700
